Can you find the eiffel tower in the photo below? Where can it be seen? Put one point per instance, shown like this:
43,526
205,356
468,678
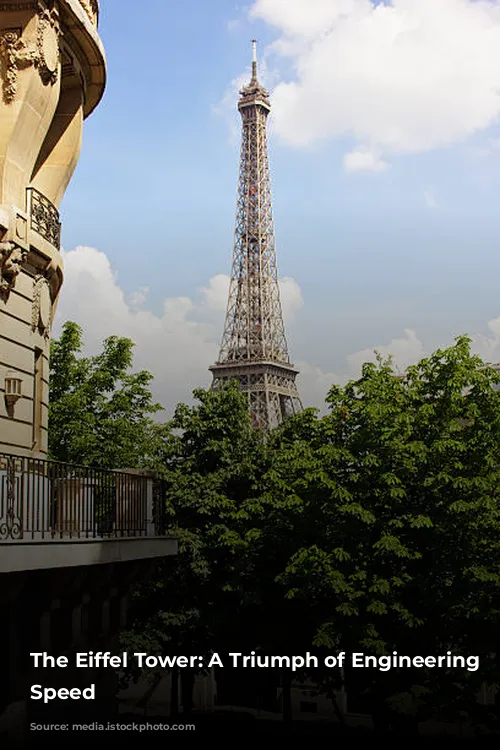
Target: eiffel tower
254,349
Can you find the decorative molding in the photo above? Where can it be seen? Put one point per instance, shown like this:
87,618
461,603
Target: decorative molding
21,227
41,313
12,258
47,42
91,8
15,56
35,308
18,6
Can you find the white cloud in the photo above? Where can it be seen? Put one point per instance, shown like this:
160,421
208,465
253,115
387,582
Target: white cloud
215,294
488,347
178,344
139,297
291,298
494,146
430,198
176,349
363,160
399,77
491,148
404,352
226,108
314,383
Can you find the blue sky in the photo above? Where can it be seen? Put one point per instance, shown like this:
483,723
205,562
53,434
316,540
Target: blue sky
405,237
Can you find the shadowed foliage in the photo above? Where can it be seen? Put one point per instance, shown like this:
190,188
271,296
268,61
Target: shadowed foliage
374,529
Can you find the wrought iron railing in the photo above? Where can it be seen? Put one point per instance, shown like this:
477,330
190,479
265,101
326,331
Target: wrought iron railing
44,217
48,500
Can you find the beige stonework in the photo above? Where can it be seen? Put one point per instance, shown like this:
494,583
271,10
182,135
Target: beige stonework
52,76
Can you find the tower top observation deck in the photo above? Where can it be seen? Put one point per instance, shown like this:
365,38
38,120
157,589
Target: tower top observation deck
254,93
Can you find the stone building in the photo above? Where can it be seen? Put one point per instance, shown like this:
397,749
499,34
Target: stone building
73,541
53,77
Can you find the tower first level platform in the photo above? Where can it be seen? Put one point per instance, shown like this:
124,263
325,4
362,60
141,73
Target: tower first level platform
271,389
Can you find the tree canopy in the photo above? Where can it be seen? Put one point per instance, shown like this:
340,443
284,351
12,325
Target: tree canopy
100,413
374,528
398,546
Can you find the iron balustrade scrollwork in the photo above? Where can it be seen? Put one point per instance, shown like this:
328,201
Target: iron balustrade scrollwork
44,217
10,520
49,500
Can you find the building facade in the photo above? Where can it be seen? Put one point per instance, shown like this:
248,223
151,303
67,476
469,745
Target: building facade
53,77
73,541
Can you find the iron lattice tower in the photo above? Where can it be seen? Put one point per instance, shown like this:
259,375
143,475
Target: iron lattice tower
254,349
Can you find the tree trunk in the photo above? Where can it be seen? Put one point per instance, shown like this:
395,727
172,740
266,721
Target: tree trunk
338,713
287,695
187,685
174,692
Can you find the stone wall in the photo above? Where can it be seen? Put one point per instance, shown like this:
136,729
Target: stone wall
52,77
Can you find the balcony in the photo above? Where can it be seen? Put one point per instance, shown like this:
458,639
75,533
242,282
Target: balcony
54,514
44,217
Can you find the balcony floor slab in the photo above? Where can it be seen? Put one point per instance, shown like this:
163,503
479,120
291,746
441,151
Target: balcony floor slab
69,553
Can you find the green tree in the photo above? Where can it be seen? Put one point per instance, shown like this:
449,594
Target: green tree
100,413
213,464
277,526
397,494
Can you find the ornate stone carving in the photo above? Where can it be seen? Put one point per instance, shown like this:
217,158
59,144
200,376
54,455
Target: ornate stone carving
15,56
47,42
91,8
12,258
41,315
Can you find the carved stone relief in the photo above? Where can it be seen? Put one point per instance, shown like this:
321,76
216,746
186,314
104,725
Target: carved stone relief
16,54
48,43
41,317
91,8
15,57
12,258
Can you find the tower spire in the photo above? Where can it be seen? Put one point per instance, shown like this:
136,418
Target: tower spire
254,349
254,60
